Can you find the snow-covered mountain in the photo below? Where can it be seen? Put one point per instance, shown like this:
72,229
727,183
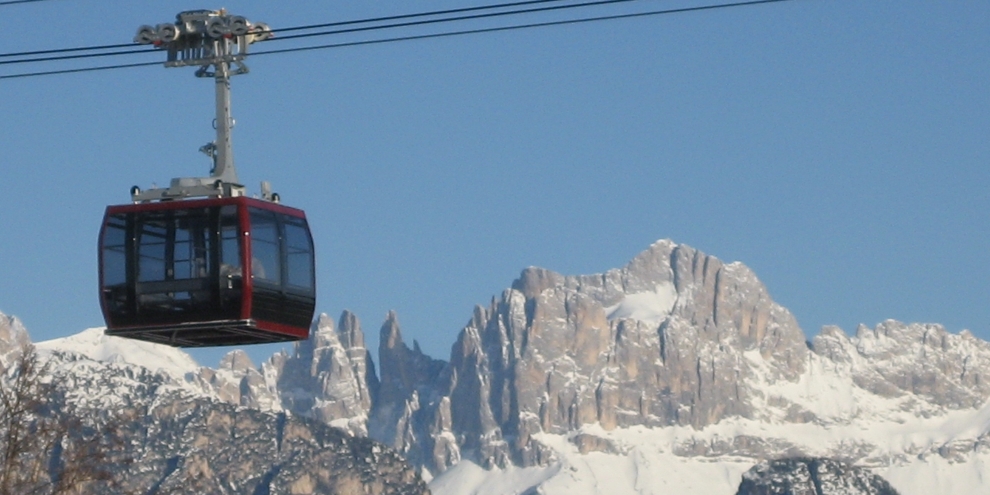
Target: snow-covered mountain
181,430
674,374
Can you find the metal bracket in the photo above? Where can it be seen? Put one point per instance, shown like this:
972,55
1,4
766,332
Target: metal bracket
212,40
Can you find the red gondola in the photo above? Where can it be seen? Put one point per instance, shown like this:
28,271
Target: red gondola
207,272
199,263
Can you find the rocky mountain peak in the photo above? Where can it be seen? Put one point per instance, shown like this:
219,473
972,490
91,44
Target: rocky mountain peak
403,369
679,284
350,334
667,339
13,339
323,334
410,415
895,359
236,361
390,335
330,376
534,280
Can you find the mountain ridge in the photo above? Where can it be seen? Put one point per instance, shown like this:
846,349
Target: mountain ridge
676,347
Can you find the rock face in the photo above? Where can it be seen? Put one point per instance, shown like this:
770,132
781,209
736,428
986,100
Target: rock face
676,338
811,476
409,414
203,447
330,377
13,339
659,342
896,359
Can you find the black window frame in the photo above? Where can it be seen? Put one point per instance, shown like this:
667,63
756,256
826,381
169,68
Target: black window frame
202,293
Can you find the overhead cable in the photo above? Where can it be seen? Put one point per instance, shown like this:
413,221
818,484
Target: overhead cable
433,35
300,28
595,3
83,55
12,2
81,69
67,50
412,16
520,26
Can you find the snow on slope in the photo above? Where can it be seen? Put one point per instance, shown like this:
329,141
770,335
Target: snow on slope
828,391
972,425
646,465
920,448
682,460
936,475
648,307
468,478
93,344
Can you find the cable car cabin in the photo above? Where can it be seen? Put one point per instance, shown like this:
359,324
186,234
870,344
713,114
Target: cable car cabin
207,272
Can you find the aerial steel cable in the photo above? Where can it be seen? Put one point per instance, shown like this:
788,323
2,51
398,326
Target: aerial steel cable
78,56
301,28
54,57
81,69
518,26
433,35
67,50
595,3
12,2
412,16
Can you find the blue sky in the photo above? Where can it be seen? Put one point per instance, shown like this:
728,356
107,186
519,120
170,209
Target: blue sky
841,149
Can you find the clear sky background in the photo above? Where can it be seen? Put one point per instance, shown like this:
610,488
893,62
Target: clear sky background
839,148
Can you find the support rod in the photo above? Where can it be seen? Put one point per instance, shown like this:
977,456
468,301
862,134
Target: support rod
217,44
223,162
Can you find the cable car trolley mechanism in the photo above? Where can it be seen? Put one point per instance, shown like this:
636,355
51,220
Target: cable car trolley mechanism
200,263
